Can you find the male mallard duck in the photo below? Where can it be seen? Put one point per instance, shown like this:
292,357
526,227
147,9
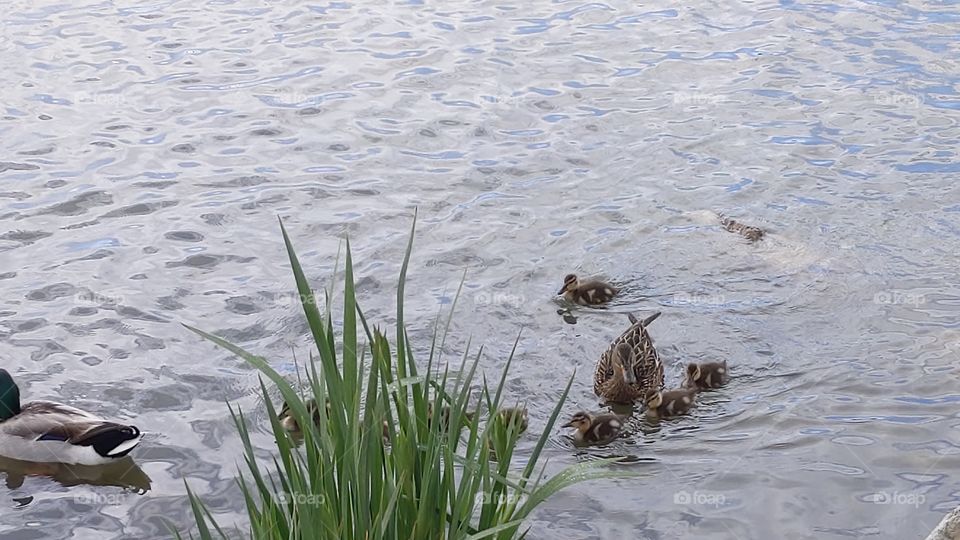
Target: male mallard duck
645,367
707,375
599,429
750,233
586,293
43,431
670,403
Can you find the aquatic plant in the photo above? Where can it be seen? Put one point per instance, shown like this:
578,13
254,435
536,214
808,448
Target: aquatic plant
344,481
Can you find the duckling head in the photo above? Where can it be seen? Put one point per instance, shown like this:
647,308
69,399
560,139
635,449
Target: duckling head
653,399
625,363
569,283
693,373
581,421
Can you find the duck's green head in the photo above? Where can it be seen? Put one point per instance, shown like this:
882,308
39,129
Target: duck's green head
9,396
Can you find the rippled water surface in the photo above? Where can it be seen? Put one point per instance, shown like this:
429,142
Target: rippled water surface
149,147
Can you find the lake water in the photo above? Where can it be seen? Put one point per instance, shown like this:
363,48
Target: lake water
148,149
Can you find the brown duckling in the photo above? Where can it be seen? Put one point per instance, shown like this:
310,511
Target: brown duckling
586,293
516,415
595,429
707,375
289,422
465,419
751,233
670,403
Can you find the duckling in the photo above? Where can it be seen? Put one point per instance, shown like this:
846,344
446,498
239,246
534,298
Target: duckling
48,432
289,422
514,414
670,403
752,234
596,430
707,375
507,417
586,293
620,385
465,419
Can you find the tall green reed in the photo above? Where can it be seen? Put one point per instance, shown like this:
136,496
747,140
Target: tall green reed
377,463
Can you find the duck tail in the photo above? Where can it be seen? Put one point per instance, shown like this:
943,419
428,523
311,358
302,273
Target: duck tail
111,440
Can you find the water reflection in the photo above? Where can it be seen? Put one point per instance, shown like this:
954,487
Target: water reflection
124,473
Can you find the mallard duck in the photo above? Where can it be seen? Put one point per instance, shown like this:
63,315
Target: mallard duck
622,385
591,429
670,403
646,371
586,293
48,432
707,375
752,234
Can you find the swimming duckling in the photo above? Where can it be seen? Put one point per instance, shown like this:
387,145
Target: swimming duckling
618,378
670,403
48,432
752,234
707,375
289,422
465,419
597,430
516,415
586,293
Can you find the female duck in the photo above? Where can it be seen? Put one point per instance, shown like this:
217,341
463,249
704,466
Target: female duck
586,293
631,366
618,383
48,432
599,429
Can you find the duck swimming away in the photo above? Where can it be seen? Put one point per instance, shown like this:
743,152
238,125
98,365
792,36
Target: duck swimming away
586,293
48,432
